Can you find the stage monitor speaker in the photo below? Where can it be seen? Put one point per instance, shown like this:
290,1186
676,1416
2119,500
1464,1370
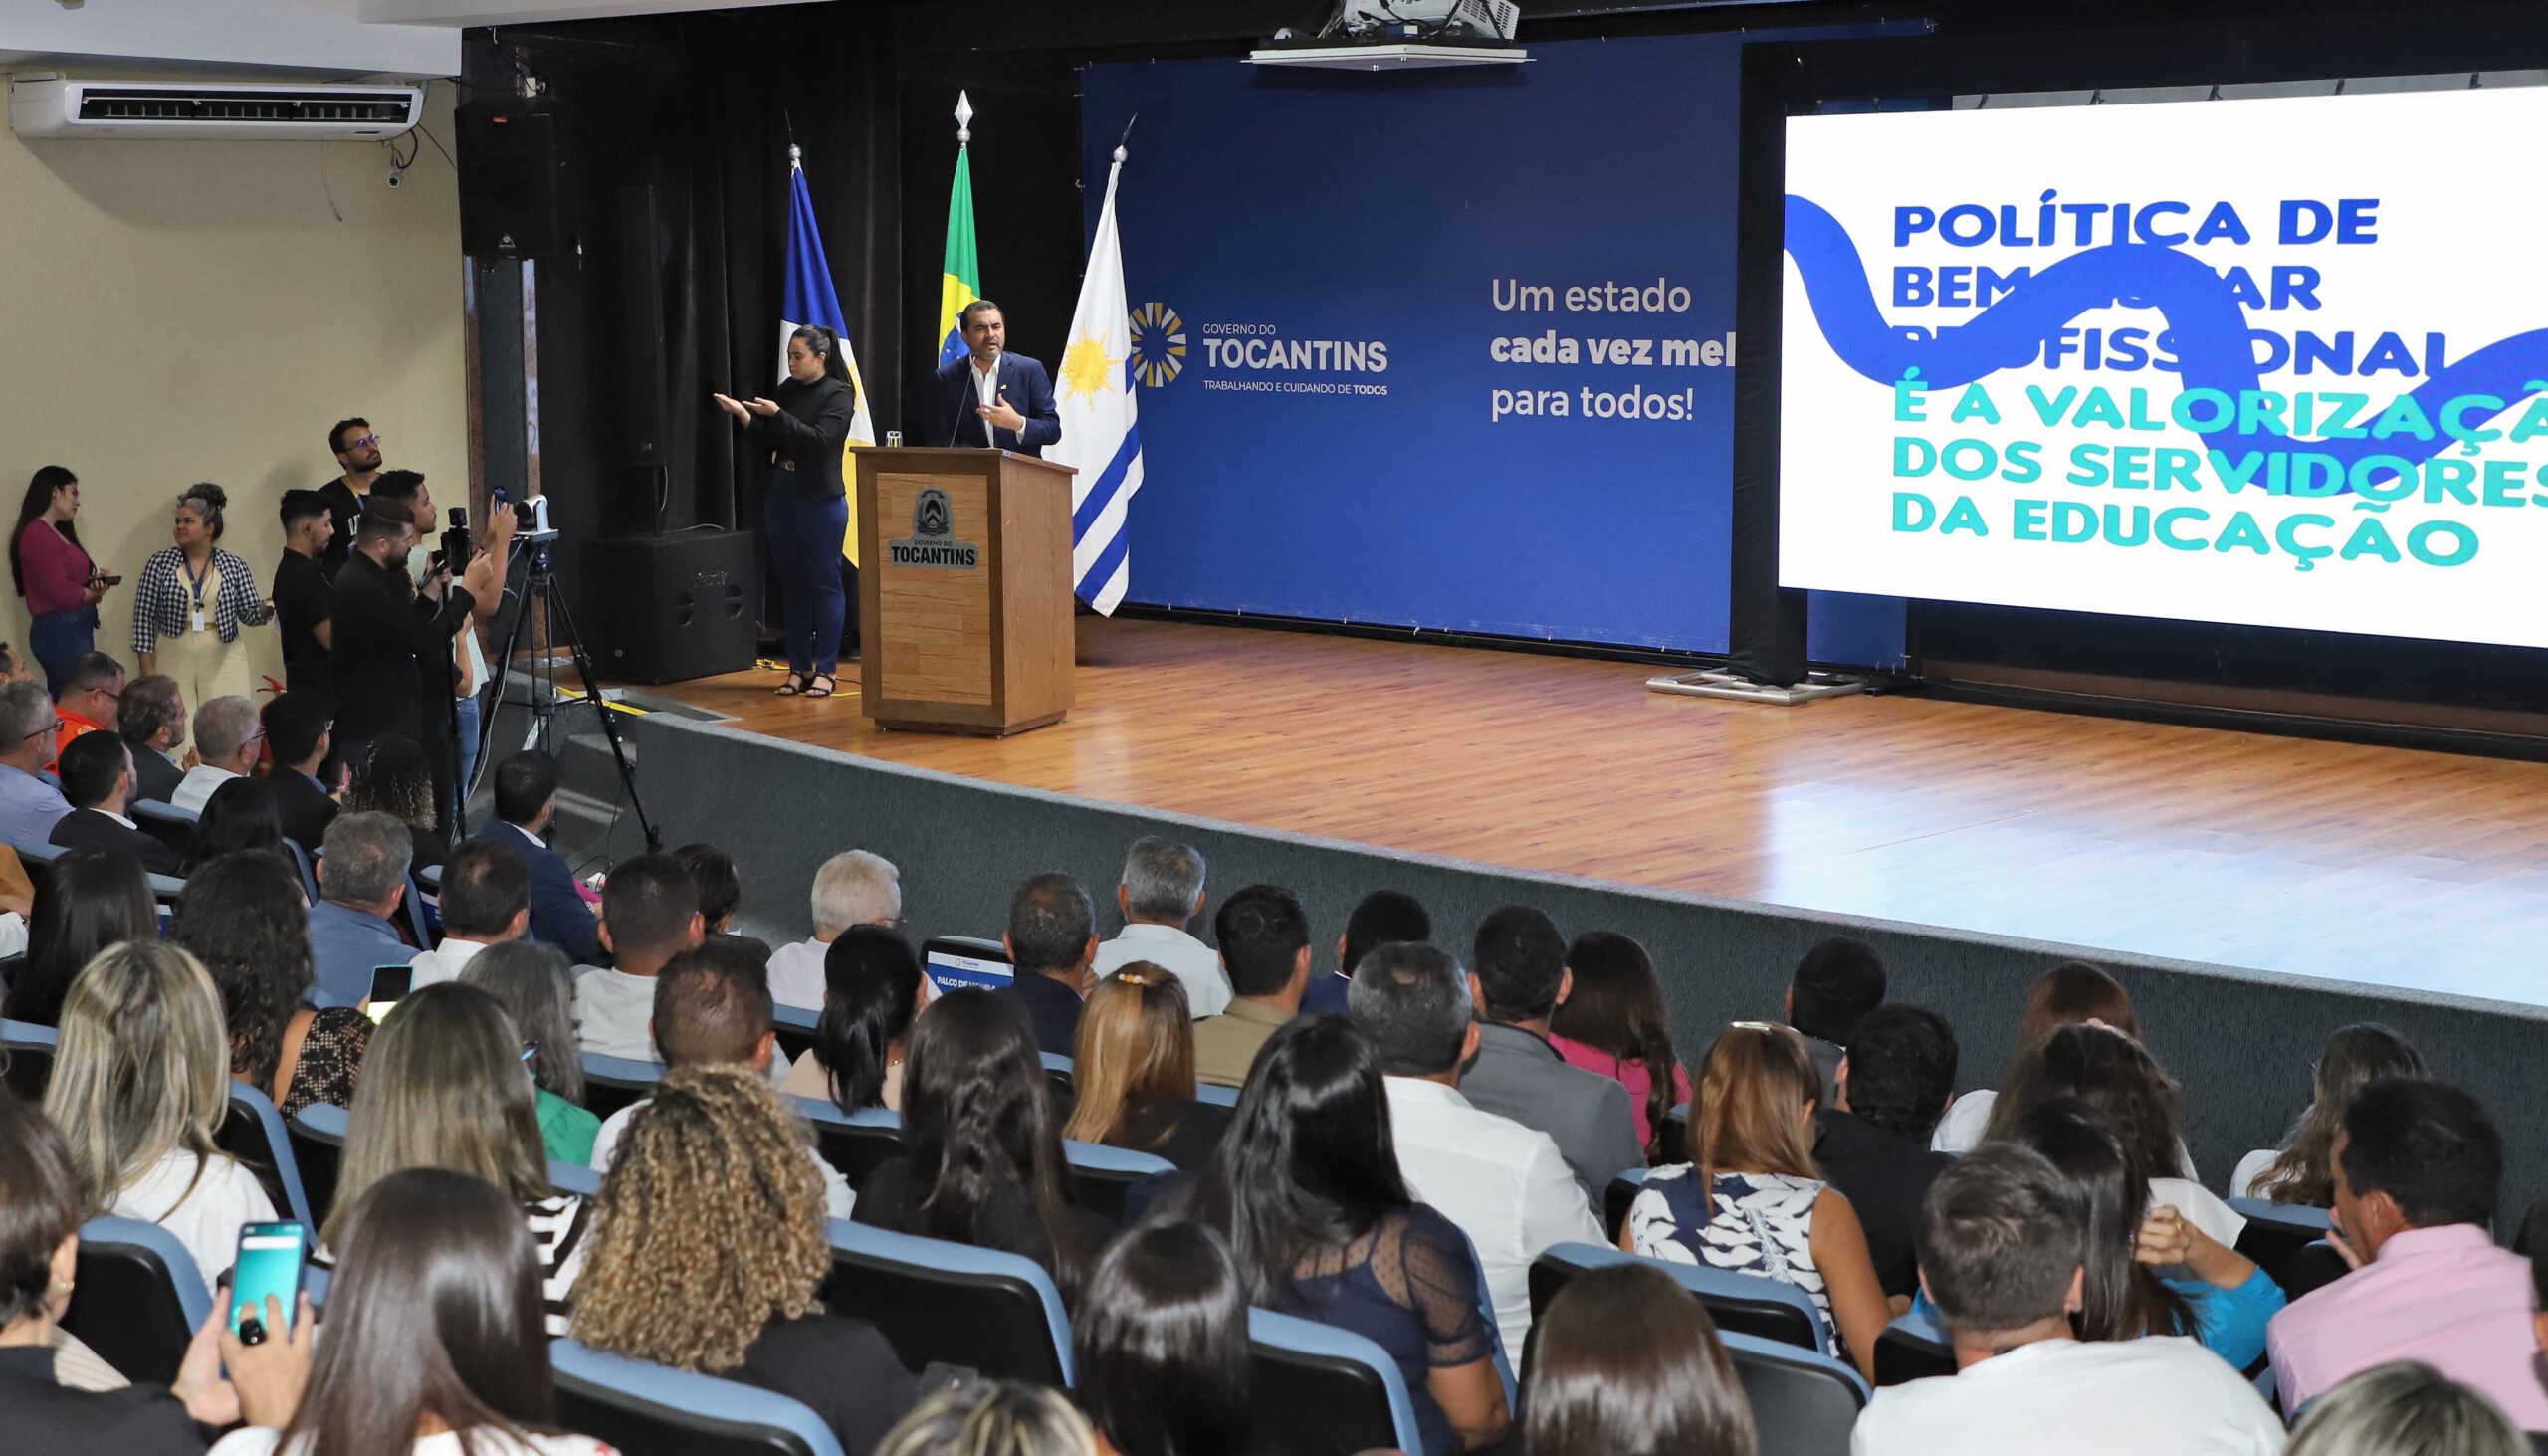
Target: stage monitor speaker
669,608
512,194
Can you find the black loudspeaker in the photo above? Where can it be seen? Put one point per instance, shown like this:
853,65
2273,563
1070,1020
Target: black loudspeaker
512,184
668,608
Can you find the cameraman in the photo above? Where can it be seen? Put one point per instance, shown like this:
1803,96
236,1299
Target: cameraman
390,632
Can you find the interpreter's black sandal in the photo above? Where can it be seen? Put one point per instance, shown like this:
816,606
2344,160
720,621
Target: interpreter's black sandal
822,685
794,685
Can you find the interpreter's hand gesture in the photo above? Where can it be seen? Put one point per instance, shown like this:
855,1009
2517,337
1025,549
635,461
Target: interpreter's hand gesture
733,406
761,407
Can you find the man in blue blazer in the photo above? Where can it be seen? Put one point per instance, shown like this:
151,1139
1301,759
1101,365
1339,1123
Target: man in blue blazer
525,798
991,396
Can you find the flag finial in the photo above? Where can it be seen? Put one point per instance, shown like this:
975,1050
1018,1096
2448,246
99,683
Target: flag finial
795,154
964,118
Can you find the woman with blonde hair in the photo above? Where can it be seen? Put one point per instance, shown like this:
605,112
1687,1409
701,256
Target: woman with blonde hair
2405,1409
994,1418
1135,1071
1752,1203
445,1086
139,1082
2075,993
708,1245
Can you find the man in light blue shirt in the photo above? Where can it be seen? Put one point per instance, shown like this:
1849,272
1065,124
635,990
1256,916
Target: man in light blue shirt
29,806
364,878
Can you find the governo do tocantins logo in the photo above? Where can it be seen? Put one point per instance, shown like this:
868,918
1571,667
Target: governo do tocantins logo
1159,345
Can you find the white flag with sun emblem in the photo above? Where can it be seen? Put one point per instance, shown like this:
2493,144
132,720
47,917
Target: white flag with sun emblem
1101,430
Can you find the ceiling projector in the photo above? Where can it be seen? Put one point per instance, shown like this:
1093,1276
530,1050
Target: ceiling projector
1424,20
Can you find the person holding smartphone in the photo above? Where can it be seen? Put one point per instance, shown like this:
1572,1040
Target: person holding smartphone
54,574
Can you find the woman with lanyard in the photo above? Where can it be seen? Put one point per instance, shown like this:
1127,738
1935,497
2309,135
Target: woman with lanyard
804,504
54,574
192,597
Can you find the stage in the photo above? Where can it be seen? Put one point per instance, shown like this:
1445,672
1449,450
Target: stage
2414,870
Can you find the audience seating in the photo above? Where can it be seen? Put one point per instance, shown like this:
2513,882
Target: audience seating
612,1083
1675,1141
1616,1199
941,1303
166,889
1747,1303
317,1139
308,872
647,1409
575,1179
1058,1074
254,1134
853,1142
1913,1347
1804,1401
2288,1241
1101,1175
794,1026
1317,1390
1215,1094
28,1050
165,822
140,1298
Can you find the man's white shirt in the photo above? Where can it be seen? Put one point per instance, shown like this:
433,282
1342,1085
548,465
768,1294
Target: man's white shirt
195,790
2118,1398
1195,966
444,962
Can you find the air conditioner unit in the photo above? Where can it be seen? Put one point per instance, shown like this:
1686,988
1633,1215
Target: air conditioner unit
57,106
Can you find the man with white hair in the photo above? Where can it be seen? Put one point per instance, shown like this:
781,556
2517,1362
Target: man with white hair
853,888
1161,894
226,736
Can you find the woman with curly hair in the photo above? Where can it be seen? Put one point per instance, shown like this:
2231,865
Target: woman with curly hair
396,779
708,1247
191,602
242,915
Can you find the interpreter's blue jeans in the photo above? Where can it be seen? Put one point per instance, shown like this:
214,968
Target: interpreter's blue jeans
54,638
804,538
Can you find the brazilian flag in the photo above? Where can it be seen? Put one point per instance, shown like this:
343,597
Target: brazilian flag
962,281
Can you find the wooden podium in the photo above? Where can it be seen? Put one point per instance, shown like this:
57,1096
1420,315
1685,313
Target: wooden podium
964,590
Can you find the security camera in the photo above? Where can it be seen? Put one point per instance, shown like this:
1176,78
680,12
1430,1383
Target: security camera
395,173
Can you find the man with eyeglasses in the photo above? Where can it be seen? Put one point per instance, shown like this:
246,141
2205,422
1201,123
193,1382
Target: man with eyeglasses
356,446
29,805
91,686
228,739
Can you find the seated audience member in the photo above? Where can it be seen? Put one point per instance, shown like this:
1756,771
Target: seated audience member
435,1344
708,1246
1307,1191
853,888
296,725
86,698
445,1087
525,800
485,901
1752,1201
649,915
992,1418
151,717
2150,1270
2301,1170
1504,1184
1627,1361
141,1080
1835,986
2419,1166
86,901
1265,947
1133,1066
29,806
872,997
532,982
2065,995
229,739
1381,918
242,815
1051,942
363,881
2112,1073
394,777
1161,894
2405,1409
1874,1145
720,889
1613,1022
39,1217
1999,1253
96,779
242,916
1159,1345
981,1160
1519,976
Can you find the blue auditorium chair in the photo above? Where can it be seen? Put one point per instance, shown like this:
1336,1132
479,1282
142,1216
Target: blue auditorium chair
647,1409
1749,1303
1101,1175
1804,1403
316,1133
1215,1094
1057,1073
612,1083
140,1298
28,1051
1317,1390
255,1133
853,1142
942,1303
575,1179
1914,1346
1616,1199
794,1026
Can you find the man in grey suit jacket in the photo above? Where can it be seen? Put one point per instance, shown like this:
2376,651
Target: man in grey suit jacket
1519,976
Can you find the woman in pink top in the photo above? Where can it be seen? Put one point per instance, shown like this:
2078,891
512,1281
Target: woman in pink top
1612,1021
60,584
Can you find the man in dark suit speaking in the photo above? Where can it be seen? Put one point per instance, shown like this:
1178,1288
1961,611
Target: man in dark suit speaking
991,396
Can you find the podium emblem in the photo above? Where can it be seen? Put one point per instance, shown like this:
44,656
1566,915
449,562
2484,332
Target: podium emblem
930,515
933,523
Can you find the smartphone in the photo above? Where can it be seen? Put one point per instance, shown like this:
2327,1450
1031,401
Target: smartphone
389,983
272,1257
957,962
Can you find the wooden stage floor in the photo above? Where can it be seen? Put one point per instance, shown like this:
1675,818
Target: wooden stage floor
2401,868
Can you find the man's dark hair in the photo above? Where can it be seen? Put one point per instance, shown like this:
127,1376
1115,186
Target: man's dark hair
720,889
1520,960
525,783
484,886
1835,986
1413,1002
1050,920
301,505
2426,1144
1262,930
1902,1070
381,523
336,434
294,722
1379,918
2000,1236
965,316
149,705
711,1003
647,903
91,764
90,670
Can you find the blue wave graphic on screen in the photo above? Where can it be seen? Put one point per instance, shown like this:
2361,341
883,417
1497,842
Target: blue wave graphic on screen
2210,330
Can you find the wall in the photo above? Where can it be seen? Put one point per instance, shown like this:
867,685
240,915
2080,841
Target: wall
186,311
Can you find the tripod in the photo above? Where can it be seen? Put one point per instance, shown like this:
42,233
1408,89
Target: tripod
540,595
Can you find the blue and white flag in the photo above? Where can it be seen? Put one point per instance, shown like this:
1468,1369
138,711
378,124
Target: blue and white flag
807,297
1101,428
